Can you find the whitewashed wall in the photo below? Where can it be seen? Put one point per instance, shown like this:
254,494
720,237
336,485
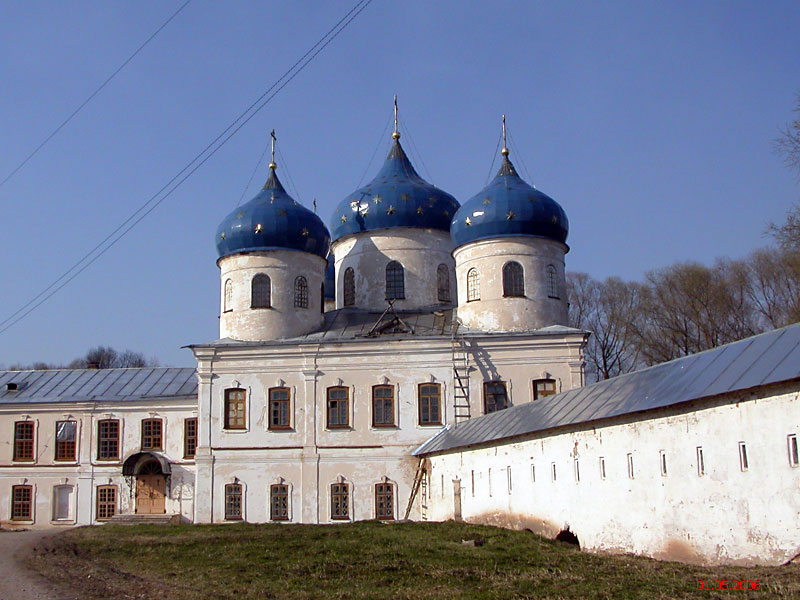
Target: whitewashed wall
724,515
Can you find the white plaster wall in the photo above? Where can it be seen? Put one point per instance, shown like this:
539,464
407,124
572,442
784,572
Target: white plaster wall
493,312
726,515
87,472
420,251
282,319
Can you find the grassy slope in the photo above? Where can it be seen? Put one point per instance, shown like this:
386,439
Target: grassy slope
367,560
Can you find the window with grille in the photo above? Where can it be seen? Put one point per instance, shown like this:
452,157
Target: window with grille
108,439
494,396
552,282
543,388
227,304
189,437
384,501
233,502
794,455
383,406
151,434
260,292
513,280
395,281
106,502
340,501
23,440
430,395
300,293
279,408
235,409
743,462
473,285
279,502
22,503
349,287
65,440
338,407
443,283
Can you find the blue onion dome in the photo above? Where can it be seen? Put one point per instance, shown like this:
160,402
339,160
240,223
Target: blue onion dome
509,207
272,220
330,279
397,197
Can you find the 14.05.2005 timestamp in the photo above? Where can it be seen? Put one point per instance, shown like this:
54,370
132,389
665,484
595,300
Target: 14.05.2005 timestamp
728,585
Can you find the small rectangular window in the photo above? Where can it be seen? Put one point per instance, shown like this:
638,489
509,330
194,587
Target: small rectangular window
577,470
189,437
338,407
152,438
495,396
65,440
430,404
743,464
340,502
533,473
383,406
553,471
630,466
701,463
543,388
279,404
472,478
602,468
384,501
106,502
235,409
279,502
233,502
662,458
23,441
508,476
794,459
22,503
108,439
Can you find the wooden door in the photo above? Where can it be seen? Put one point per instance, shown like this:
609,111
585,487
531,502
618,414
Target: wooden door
150,494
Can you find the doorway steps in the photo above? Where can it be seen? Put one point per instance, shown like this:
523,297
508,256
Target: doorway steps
132,519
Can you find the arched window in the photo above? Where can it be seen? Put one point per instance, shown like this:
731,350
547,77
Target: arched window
473,285
395,281
322,298
260,292
513,280
443,283
552,282
227,302
300,292
349,287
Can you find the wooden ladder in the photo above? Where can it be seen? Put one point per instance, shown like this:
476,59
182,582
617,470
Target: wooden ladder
460,356
419,478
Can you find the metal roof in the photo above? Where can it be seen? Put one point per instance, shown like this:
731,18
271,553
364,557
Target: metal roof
768,358
96,385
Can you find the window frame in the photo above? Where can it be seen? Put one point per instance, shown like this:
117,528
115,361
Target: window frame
340,490
24,441
513,280
187,436
66,451
104,440
383,400
227,296
234,510
261,296
271,425
473,285
346,400
275,494
443,283
155,434
428,397
231,422
349,287
384,497
27,503
103,505
543,380
552,282
395,281
70,518
793,450
493,396
300,292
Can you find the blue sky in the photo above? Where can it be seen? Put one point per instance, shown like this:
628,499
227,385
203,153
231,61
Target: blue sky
651,124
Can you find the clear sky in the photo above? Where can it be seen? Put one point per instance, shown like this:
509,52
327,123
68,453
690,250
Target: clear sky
650,123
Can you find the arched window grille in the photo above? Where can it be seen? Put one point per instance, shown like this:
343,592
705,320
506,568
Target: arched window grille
513,280
227,303
300,292
473,285
443,283
349,287
260,292
395,281
552,282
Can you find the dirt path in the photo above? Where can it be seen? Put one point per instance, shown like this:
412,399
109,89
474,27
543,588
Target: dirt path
16,581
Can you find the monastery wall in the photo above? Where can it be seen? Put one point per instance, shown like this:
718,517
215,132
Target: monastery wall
713,481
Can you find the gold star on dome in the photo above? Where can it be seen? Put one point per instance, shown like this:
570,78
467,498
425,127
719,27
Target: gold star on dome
240,215
405,198
487,201
259,228
510,215
281,213
272,199
390,210
305,232
344,219
554,219
467,221
377,199
420,211
222,235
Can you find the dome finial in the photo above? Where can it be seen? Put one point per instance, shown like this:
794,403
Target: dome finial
272,165
504,151
396,133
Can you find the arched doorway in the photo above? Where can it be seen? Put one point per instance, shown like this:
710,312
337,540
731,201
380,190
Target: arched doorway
151,472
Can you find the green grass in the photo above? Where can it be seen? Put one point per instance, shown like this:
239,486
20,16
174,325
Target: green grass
367,560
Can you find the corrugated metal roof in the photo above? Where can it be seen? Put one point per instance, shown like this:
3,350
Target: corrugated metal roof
771,357
89,385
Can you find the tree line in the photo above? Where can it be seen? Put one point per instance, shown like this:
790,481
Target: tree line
99,357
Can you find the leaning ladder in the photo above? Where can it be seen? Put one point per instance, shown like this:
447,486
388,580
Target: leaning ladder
460,375
419,477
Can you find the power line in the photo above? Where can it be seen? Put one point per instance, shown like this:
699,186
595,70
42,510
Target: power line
92,95
413,148
494,157
375,151
191,167
253,174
